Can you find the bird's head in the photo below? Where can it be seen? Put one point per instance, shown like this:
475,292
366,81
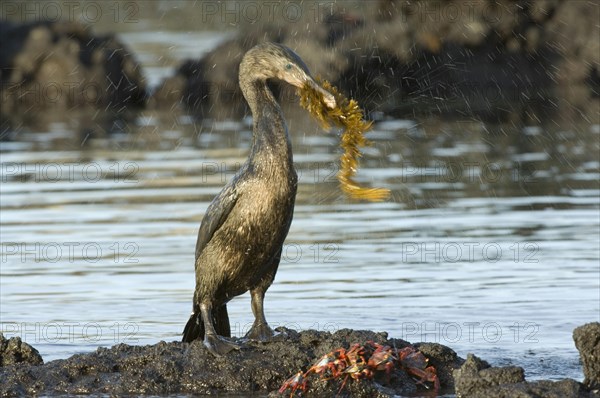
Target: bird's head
272,60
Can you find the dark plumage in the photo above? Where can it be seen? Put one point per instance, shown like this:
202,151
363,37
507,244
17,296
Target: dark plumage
242,233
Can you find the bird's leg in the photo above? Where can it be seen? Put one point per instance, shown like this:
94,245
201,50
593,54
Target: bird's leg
216,344
260,329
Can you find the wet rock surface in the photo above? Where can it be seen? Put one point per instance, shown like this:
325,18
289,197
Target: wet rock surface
587,341
13,351
444,360
477,379
260,369
169,368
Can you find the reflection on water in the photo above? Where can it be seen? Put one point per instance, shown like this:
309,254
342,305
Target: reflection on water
489,245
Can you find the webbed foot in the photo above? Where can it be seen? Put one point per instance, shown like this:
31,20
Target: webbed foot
218,345
260,332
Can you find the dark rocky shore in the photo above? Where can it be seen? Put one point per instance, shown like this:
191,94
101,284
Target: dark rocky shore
261,368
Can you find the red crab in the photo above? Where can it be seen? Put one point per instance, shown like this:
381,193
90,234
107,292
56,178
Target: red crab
334,362
415,364
382,359
296,382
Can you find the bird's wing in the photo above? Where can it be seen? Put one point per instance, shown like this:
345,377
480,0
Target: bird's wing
215,216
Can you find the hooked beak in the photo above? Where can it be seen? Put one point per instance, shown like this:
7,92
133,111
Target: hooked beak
327,96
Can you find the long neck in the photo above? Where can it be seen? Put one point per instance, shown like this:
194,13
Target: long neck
271,142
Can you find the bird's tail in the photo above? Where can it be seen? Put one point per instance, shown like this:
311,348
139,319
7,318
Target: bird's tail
194,328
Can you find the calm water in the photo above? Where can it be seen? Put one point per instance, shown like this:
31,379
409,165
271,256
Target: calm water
489,244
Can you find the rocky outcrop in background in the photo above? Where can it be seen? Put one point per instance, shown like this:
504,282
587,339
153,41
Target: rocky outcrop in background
57,67
482,57
528,59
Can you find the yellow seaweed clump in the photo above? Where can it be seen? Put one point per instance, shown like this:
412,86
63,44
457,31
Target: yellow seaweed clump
348,116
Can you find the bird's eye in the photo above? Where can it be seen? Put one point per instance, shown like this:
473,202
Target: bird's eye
288,66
